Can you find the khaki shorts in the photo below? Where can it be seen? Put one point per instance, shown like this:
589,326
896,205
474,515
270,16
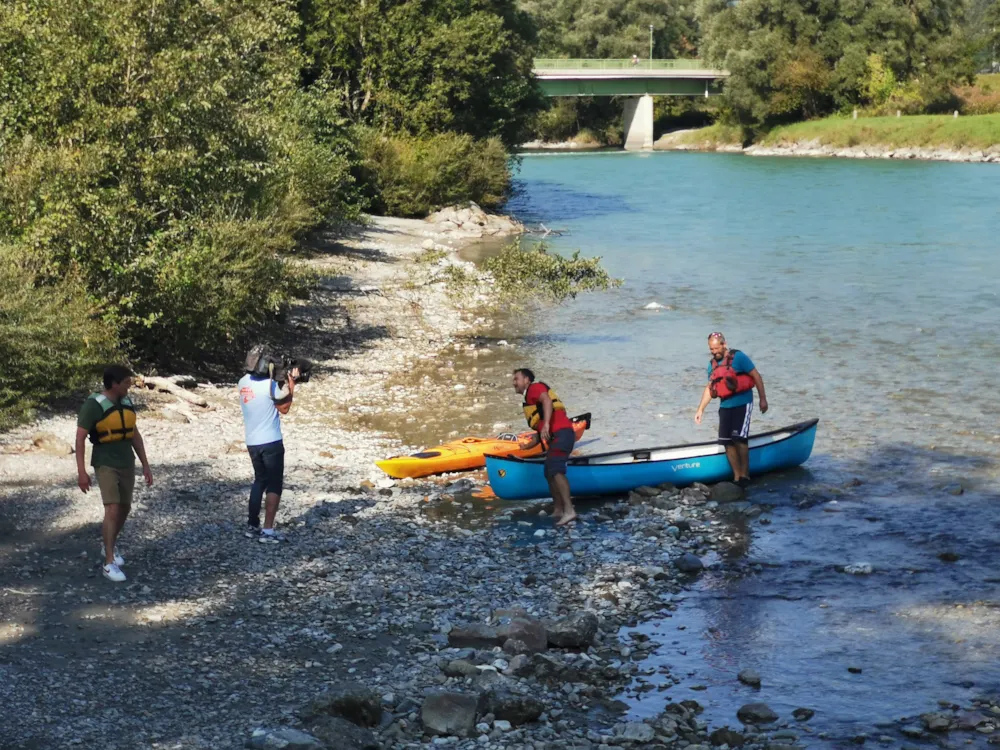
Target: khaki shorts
116,485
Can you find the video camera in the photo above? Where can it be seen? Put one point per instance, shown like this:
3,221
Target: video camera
264,362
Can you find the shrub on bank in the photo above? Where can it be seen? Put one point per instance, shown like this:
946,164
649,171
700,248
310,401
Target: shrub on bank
533,272
52,339
415,175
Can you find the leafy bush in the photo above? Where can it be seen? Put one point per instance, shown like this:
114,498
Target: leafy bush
415,175
169,158
534,272
52,339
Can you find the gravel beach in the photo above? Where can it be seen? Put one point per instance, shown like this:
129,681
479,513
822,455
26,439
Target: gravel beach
397,614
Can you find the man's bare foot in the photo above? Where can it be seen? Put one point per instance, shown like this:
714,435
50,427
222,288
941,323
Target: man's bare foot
569,518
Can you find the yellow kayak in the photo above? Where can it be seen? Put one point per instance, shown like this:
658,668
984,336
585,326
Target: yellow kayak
467,453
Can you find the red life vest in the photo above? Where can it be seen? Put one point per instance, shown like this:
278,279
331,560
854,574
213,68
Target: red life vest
724,381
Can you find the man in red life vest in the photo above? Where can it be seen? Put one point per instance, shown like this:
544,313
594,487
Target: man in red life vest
732,377
547,416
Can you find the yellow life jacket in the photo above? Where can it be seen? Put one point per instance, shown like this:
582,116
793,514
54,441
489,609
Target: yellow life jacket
118,422
533,412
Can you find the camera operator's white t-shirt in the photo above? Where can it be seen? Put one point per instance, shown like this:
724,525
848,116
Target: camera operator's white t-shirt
261,420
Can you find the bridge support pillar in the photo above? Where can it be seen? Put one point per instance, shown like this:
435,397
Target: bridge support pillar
639,123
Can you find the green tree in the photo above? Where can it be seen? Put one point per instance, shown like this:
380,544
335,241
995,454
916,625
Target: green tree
427,66
164,150
790,59
596,28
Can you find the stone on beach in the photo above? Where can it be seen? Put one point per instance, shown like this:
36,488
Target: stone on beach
449,713
573,631
756,713
356,703
727,492
689,563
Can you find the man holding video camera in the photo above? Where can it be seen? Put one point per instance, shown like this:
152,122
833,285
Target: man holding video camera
265,393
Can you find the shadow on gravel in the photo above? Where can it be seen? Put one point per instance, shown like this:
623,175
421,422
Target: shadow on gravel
213,633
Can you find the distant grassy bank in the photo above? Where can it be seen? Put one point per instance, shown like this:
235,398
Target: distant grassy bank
916,131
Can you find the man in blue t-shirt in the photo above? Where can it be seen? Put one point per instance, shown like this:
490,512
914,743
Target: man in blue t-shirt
734,411
262,401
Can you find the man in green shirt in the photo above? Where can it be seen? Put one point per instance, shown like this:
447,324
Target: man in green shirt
108,419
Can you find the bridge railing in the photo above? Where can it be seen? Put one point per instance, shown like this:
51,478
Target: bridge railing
546,63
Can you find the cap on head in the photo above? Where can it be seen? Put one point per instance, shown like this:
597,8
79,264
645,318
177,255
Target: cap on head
258,361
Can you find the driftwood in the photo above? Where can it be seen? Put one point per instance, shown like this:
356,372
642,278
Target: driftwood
170,385
544,231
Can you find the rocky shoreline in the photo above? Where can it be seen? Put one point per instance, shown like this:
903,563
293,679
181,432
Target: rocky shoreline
394,616
677,142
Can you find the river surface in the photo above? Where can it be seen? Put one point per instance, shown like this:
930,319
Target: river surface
866,293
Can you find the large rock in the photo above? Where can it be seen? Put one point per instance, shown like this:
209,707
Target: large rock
284,739
474,634
51,445
549,669
525,629
936,722
449,713
573,631
726,736
343,735
636,731
689,563
647,491
756,713
350,701
726,492
508,706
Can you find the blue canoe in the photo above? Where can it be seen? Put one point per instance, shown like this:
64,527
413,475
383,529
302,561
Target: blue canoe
680,465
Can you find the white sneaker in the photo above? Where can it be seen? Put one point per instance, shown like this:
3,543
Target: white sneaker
266,538
113,573
119,560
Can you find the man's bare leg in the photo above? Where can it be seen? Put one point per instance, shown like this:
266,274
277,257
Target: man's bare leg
109,531
122,515
559,486
271,501
744,453
733,454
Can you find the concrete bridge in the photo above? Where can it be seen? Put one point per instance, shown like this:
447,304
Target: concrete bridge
639,81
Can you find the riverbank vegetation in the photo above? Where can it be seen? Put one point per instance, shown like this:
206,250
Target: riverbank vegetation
160,161
789,60
919,131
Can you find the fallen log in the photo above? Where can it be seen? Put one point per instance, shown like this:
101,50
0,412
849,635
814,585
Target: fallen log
168,386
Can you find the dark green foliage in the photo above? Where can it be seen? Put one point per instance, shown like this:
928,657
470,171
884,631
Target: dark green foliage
598,28
52,339
166,153
412,176
427,66
795,59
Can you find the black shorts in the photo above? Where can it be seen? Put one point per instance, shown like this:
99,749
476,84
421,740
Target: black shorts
734,423
560,447
268,467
